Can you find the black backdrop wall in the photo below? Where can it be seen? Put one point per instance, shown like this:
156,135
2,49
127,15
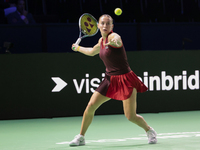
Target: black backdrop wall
136,36
28,83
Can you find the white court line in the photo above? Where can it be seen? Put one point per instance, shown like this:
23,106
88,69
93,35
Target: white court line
159,136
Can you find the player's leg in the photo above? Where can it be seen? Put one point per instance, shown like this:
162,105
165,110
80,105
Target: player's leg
130,106
95,101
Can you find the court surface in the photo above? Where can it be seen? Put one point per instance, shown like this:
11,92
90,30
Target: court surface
176,131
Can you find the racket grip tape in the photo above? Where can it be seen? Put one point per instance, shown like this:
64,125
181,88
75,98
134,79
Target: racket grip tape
78,41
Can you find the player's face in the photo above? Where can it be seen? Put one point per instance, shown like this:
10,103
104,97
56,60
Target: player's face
105,25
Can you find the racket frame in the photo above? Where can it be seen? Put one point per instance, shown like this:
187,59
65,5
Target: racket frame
81,31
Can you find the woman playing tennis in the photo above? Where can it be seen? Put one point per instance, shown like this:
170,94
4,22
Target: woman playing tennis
120,82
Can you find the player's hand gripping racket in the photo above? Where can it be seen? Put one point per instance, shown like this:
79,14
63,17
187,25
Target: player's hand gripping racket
87,26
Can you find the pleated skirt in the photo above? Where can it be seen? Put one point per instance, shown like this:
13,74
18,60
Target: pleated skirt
120,87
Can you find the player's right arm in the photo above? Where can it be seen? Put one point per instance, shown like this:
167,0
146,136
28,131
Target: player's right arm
90,51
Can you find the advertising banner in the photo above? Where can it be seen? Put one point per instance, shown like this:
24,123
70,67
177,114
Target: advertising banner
50,85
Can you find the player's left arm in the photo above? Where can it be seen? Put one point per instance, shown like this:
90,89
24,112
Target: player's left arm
115,40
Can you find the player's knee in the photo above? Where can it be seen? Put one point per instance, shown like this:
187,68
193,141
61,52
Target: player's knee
91,107
131,117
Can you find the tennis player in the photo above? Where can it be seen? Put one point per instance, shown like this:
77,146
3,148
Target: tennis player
120,82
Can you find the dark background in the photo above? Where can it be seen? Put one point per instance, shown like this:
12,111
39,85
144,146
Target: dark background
26,84
56,38
159,35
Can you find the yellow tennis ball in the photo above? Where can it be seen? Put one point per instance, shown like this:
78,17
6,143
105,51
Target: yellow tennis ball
118,11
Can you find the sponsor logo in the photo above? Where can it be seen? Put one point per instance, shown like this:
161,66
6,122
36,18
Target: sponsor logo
161,82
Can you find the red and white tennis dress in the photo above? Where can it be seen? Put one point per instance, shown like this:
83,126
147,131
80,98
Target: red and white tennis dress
119,79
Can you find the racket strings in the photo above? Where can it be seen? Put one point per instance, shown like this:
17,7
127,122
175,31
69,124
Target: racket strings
88,25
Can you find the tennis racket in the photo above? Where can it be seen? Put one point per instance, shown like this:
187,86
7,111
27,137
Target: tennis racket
87,27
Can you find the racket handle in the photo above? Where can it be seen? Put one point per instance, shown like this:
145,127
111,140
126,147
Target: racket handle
78,41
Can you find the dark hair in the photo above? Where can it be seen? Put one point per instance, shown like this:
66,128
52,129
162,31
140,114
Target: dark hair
16,1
